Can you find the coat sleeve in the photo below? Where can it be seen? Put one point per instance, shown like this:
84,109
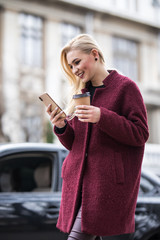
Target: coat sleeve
67,137
130,127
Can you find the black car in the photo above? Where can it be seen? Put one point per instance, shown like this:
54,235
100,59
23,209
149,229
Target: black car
30,194
30,191
147,215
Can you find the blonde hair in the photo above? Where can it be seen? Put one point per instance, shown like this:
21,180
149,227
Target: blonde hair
84,43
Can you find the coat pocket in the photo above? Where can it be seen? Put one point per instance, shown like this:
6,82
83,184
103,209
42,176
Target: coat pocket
119,168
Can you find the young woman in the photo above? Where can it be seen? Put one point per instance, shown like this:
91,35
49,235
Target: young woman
101,173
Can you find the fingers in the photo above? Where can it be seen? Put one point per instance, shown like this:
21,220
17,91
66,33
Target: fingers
48,110
87,113
54,112
85,107
84,115
83,111
55,116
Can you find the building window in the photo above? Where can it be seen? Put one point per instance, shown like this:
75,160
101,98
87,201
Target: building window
69,31
31,38
125,57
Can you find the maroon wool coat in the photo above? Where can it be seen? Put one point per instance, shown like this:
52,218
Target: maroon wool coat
106,171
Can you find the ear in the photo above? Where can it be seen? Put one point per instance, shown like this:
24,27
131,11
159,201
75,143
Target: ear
95,53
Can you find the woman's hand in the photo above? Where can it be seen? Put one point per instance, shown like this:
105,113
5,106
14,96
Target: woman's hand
87,113
56,119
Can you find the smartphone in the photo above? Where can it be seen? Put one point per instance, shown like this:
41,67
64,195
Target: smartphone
46,99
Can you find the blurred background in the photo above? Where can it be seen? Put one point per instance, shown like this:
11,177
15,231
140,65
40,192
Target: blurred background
32,34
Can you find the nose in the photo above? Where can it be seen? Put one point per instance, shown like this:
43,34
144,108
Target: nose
75,70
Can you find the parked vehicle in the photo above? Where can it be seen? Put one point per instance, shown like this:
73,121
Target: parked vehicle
30,191
147,216
30,194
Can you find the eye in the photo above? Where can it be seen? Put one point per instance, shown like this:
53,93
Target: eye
70,66
77,62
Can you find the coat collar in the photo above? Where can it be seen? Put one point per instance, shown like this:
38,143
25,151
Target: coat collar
106,81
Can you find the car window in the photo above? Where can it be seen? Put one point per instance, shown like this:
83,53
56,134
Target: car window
26,173
145,186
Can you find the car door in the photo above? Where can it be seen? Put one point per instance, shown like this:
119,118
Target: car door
147,215
29,195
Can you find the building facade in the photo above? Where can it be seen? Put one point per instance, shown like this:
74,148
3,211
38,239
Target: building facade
32,34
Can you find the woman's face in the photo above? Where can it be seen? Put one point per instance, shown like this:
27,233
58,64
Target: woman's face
82,65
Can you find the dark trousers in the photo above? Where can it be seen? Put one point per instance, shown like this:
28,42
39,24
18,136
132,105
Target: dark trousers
77,234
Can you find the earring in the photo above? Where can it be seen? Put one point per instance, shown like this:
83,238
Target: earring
96,59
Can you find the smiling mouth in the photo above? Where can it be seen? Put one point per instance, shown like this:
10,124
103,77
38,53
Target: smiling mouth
81,75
